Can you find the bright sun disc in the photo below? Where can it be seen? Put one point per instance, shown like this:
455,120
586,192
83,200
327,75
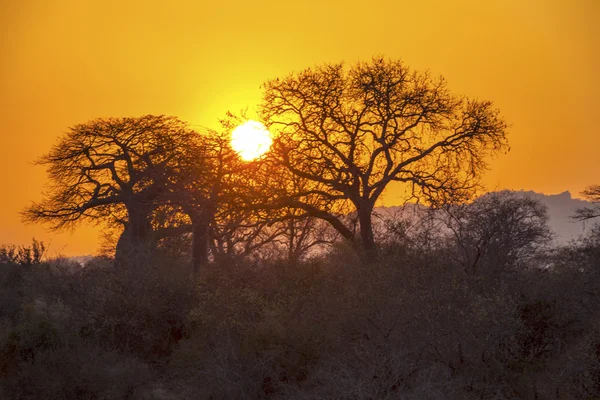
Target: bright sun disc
251,140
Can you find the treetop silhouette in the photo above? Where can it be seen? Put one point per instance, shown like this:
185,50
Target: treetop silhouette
113,170
350,132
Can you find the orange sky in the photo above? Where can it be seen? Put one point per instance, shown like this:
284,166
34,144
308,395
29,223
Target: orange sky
65,62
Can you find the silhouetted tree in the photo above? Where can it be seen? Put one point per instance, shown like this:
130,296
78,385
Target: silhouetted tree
113,171
497,229
239,234
294,231
299,234
213,197
591,194
350,133
23,255
211,194
411,228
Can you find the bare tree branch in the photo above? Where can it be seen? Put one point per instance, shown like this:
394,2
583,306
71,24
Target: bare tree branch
350,133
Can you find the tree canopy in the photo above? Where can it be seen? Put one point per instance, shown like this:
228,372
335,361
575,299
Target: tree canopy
350,132
497,230
154,178
114,171
591,194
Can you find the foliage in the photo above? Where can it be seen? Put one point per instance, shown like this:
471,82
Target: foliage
23,255
152,180
497,230
115,171
410,324
105,163
350,133
591,194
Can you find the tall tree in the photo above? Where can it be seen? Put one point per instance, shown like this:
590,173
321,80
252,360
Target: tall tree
209,188
352,132
299,235
213,193
113,170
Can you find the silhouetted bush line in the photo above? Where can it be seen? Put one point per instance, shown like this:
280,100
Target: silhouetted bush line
22,255
412,324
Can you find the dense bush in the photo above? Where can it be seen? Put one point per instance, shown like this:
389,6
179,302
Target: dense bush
411,324
22,255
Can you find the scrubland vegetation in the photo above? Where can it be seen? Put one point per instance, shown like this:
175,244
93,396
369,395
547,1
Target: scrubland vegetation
278,278
415,322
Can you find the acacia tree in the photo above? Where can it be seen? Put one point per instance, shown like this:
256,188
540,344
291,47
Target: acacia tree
350,133
498,229
113,171
591,194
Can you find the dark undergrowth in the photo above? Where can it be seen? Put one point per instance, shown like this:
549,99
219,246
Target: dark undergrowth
409,324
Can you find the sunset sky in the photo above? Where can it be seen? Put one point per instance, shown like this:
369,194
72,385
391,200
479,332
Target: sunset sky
66,62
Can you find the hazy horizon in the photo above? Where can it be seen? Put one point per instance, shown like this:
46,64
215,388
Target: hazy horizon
561,224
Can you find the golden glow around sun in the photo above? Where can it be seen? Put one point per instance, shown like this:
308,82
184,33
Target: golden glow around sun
251,140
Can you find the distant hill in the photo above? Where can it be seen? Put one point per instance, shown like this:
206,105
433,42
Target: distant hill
561,208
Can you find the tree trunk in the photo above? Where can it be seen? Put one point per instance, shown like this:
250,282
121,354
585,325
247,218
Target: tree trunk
135,235
367,239
200,240
139,225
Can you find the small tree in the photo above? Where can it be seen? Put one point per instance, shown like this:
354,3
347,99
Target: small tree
23,255
592,194
497,229
350,133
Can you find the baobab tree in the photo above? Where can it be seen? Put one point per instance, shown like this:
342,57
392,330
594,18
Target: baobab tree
155,177
350,133
207,189
215,195
114,171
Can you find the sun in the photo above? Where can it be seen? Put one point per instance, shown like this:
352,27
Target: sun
251,140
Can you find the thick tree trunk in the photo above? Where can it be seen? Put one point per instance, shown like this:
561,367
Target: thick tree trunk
200,241
123,245
135,235
139,225
367,239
